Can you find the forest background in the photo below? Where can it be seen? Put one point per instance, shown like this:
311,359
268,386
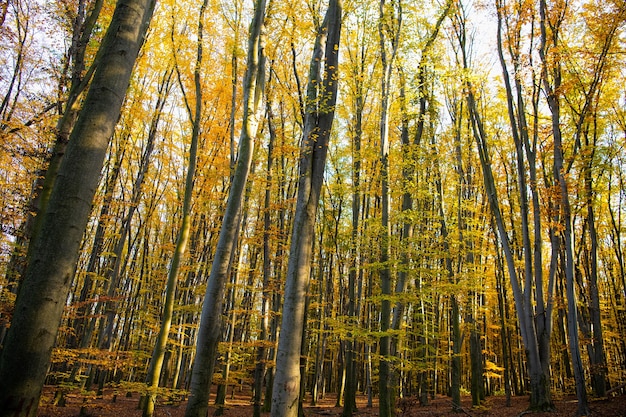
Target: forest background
468,235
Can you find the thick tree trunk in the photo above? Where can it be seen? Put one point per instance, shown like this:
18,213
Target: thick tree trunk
81,33
320,111
39,306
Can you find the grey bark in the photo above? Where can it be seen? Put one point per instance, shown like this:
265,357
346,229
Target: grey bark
389,32
319,115
262,351
158,354
209,332
358,74
39,306
81,33
551,80
541,312
539,385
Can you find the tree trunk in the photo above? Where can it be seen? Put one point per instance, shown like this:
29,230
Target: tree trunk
209,332
158,354
320,111
564,209
262,351
525,152
349,403
39,306
82,30
388,26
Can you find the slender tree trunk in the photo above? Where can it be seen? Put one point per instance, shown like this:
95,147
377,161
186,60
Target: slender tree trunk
158,354
210,322
39,306
504,332
319,115
349,404
262,351
598,358
541,314
388,26
551,87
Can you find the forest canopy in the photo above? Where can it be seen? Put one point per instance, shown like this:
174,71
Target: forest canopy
429,196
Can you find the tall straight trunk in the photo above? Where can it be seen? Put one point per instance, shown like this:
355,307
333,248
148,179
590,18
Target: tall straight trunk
504,331
349,403
408,171
319,115
158,354
597,357
476,353
586,126
456,337
551,80
209,332
39,306
262,351
388,32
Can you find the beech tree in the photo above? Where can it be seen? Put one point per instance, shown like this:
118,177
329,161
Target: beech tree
195,117
210,331
475,299
39,306
321,97
539,379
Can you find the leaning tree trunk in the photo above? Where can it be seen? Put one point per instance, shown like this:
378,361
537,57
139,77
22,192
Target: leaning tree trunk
39,306
82,30
320,111
158,354
209,332
526,155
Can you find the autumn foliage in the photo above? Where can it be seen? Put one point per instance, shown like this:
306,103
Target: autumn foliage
468,236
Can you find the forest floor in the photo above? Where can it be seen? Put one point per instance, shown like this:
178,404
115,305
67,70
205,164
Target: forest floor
111,405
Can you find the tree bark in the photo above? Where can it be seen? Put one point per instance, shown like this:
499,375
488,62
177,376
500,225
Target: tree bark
551,87
320,111
158,354
388,26
209,332
539,385
39,306
541,312
358,74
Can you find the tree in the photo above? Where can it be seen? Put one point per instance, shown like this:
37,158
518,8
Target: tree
26,354
539,380
321,97
510,23
210,330
389,25
550,24
195,116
